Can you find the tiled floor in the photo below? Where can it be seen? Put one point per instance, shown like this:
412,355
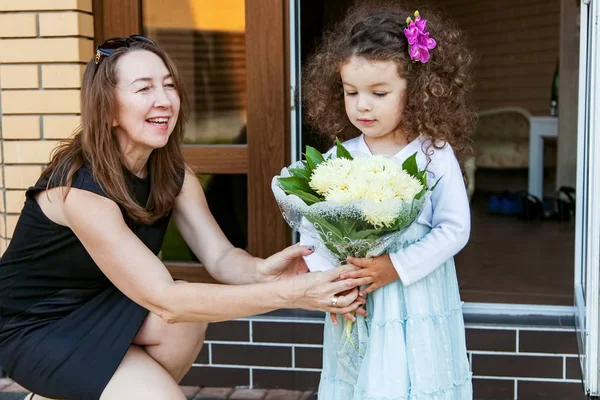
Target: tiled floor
506,256
12,391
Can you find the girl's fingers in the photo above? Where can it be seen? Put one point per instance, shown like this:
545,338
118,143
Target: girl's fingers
342,286
344,310
333,318
362,311
361,273
350,317
345,268
358,282
369,289
360,262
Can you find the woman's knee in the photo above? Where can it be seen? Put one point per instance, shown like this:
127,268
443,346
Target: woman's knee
139,376
155,331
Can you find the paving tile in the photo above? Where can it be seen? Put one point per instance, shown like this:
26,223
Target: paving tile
279,394
190,391
15,388
214,393
308,395
249,394
11,396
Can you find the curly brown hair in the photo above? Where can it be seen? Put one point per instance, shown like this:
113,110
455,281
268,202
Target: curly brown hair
437,107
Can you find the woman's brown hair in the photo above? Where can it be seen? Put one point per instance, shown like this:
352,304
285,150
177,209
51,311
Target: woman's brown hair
437,105
95,143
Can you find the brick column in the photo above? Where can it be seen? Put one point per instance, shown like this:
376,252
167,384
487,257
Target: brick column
44,45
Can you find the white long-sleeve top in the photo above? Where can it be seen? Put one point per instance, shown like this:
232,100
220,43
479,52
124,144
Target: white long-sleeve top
446,212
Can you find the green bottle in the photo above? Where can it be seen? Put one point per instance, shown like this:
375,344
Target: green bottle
554,93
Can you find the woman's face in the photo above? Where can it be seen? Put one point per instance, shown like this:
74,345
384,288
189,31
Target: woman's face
147,102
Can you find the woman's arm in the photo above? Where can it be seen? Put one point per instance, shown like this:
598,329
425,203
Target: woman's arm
141,276
203,235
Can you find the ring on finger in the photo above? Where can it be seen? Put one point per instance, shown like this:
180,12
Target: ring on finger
334,301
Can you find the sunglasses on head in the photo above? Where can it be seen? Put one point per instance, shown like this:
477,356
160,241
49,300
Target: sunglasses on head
108,47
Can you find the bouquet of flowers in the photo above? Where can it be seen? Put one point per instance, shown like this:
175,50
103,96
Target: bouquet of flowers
353,206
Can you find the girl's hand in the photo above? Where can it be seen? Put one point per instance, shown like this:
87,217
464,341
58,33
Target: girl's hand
284,264
375,272
350,316
324,291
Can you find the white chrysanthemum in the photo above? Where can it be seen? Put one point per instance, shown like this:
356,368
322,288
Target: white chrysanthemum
379,214
405,186
352,188
330,174
376,165
375,179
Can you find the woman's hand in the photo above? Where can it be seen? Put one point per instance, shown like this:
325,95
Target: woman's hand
375,272
324,291
284,264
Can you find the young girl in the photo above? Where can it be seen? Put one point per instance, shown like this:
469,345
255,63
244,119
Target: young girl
395,86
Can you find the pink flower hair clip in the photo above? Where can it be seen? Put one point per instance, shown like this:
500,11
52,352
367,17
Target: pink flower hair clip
419,42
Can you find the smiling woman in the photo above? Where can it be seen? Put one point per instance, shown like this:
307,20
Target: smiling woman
148,107
87,309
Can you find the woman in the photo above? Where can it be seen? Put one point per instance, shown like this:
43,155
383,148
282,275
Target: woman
87,310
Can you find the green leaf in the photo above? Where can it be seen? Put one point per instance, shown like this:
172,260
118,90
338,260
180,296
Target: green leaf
410,165
436,183
341,150
300,173
421,193
313,157
308,198
336,235
364,234
422,177
299,187
292,184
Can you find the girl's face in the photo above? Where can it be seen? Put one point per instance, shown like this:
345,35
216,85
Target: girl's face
374,95
148,103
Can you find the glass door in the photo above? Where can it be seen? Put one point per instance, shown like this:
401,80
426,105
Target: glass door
587,255
237,137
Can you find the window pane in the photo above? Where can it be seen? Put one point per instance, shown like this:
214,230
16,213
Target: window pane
207,41
227,199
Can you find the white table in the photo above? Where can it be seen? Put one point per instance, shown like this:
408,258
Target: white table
539,129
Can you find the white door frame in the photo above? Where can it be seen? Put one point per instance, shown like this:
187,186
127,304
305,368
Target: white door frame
587,228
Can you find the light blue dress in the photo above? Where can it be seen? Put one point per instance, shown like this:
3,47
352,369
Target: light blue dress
415,343
412,344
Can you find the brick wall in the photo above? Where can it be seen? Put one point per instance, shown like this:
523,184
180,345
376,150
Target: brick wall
508,362
44,45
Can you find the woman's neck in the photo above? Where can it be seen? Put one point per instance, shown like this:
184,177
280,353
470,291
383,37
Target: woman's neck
138,165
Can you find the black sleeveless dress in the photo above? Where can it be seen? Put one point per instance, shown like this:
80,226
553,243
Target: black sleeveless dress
64,327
